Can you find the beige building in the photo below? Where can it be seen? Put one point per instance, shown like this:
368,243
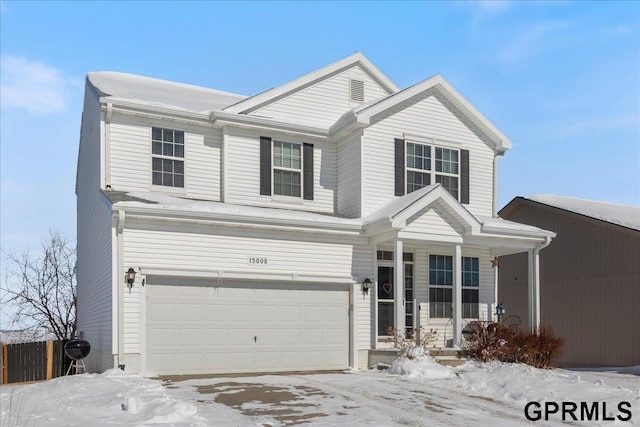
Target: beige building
589,277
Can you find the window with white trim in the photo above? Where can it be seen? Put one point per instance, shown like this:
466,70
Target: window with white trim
441,286
287,169
167,157
422,169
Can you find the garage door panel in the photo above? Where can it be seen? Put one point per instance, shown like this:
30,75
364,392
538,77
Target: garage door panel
245,327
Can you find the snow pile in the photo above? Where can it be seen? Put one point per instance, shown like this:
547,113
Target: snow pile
423,366
111,398
522,383
472,394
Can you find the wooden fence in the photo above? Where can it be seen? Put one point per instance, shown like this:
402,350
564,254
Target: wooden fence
34,361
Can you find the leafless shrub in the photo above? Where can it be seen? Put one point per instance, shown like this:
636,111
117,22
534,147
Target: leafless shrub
499,342
415,343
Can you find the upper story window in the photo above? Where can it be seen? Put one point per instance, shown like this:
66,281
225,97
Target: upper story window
418,165
167,157
287,169
420,170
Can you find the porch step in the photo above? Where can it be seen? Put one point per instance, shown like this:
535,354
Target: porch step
446,356
449,356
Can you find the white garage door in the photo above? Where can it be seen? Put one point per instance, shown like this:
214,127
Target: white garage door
197,327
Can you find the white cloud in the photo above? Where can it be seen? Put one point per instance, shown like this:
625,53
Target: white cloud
33,86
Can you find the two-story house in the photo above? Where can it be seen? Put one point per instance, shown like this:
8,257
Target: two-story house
287,230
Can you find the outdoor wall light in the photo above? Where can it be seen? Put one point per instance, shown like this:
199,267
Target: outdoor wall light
500,311
366,285
131,276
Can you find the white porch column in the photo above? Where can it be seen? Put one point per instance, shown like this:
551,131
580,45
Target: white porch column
457,296
534,290
398,287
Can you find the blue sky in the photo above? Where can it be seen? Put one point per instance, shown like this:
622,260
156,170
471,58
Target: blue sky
561,79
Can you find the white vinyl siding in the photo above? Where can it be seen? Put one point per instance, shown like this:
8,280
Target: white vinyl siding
130,158
431,224
95,299
187,248
324,102
243,173
428,118
349,170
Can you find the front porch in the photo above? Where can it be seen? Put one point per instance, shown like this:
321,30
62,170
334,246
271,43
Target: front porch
435,267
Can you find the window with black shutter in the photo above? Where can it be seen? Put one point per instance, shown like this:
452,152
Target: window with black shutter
286,169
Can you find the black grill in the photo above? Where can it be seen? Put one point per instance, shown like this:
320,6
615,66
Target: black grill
77,349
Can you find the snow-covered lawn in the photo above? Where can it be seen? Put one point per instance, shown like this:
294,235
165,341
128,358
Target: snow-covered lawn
421,393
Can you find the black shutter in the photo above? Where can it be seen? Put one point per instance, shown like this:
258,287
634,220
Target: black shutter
265,166
464,176
307,171
399,166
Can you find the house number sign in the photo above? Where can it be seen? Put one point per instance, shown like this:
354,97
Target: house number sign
258,260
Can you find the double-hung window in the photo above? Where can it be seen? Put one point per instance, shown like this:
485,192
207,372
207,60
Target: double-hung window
287,169
167,157
447,169
441,286
419,164
422,169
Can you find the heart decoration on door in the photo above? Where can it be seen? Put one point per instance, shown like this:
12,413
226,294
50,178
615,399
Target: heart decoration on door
387,287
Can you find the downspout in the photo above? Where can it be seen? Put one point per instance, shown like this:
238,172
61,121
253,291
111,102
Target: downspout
496,156
119,280
535,291
105,147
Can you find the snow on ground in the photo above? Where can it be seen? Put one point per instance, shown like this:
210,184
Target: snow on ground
419,393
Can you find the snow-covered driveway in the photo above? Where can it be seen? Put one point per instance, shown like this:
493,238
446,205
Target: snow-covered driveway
425,394
354,398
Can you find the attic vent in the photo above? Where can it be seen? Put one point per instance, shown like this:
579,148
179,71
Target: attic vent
357,90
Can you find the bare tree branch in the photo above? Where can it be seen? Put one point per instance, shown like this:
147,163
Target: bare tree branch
40,292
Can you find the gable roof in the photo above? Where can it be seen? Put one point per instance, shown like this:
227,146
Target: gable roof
398,211
372,112
160,93
278,92
623,215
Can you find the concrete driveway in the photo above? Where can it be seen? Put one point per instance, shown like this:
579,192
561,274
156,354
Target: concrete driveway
348,398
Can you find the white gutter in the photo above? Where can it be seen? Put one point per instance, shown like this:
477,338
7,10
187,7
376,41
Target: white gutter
220,119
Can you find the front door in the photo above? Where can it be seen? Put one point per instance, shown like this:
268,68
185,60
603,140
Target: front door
385,299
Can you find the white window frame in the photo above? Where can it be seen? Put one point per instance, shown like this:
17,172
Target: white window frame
433,146
274,167
432,286
182,159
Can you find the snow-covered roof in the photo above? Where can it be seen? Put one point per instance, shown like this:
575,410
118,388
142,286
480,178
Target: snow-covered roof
624,215
503,225
183,205
397,207
160,93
